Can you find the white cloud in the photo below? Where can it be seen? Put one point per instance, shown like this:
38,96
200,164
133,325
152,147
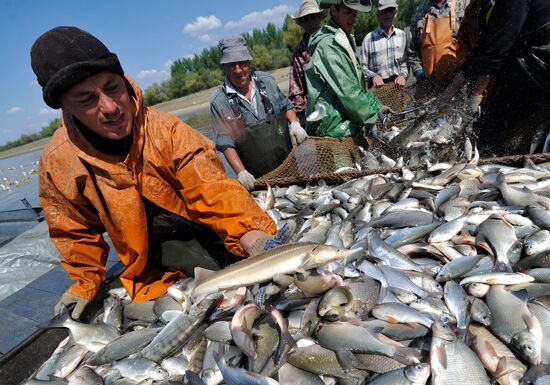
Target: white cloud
34,83
48,111
201,25
206,38
274,15
168,64
15,110
153,76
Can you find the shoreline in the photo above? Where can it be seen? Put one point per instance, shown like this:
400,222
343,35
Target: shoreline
188,104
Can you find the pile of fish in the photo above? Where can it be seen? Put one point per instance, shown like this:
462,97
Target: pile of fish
437,276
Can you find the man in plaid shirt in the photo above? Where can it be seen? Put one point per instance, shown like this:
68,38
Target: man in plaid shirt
383,52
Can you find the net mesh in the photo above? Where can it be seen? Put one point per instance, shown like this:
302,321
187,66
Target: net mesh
337,159
315,156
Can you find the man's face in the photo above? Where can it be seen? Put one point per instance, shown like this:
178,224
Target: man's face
386,17
344,17
311,23
239,74
102,103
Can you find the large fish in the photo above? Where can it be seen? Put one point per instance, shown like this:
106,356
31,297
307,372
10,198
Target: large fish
282,260
452,362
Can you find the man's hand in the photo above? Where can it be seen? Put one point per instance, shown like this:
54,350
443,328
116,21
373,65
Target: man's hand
400,81
68,299
474,104
268,242
297,133
377,81
246,179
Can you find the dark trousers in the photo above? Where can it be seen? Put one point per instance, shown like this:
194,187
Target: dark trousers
171,234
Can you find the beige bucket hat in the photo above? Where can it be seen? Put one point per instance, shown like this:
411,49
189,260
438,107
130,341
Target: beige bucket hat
307,7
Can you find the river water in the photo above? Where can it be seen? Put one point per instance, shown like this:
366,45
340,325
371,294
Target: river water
19,178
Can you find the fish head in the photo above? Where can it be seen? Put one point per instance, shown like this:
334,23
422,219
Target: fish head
528,345
418,373
157,374
442,330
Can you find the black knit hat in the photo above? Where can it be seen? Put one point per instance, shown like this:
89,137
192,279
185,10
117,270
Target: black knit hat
64,56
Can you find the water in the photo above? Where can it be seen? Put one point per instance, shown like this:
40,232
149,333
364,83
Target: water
18,178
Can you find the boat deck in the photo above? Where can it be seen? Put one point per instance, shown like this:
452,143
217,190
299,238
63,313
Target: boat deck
22,311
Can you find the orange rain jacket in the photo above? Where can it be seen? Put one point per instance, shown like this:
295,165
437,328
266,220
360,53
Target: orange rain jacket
84,193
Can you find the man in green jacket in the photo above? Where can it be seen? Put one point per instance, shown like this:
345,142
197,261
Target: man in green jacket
334,78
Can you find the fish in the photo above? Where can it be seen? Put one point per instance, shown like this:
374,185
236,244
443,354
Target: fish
452,361
282,260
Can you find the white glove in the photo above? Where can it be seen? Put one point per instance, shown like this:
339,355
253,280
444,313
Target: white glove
474,104
246,179
297,133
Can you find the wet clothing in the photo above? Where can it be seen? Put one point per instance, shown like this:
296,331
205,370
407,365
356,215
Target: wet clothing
433,45
253,128
476,17
383,55
515,49
297,91
334,79
85,193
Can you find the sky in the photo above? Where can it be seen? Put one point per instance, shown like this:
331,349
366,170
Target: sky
146,35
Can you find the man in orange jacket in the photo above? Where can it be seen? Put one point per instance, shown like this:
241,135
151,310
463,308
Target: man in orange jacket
119,167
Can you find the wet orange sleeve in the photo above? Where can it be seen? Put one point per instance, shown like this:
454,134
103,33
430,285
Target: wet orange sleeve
211,197
77,234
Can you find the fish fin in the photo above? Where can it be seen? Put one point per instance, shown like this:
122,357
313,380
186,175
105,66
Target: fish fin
392,320
521,294
439,352
201,275
529,321
387,340
345,358
490,349
506,366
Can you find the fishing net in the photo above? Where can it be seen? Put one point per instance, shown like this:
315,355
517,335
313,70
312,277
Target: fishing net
398,99
321,157
330,158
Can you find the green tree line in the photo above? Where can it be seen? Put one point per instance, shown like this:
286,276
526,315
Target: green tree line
45,132
271,49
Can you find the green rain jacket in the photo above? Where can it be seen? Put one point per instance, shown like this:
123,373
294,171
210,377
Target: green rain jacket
334,79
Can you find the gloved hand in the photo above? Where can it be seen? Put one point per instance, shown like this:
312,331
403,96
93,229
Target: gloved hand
68,299
420,74
268,242
474,104
246,179
383,113
297,133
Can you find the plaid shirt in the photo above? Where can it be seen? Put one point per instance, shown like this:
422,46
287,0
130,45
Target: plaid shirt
384,55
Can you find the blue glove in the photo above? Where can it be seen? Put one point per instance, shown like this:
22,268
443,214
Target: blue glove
420,74
270,242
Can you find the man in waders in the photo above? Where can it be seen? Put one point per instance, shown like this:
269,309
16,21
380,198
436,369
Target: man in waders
250,116
334,78
513,52
433,51
140,175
